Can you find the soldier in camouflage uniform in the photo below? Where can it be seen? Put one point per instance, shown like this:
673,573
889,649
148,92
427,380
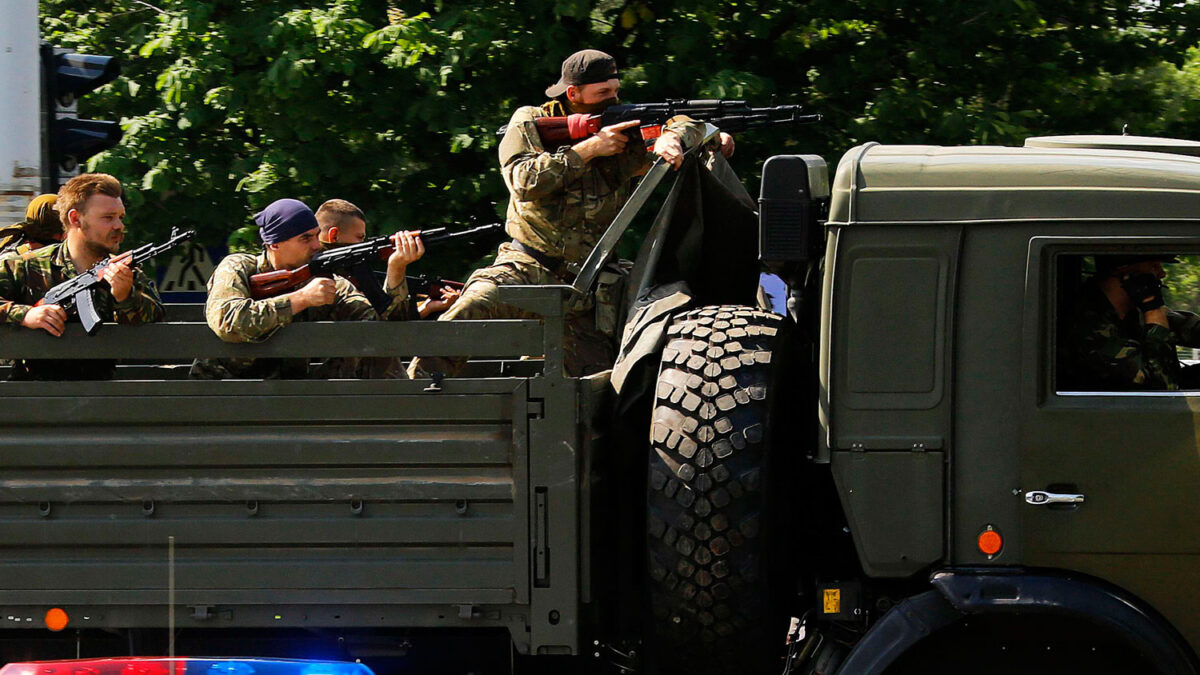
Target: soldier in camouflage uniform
90,204
41,227
343,223
289,232
561,201
1122,336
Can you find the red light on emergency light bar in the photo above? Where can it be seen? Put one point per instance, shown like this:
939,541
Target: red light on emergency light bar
185,666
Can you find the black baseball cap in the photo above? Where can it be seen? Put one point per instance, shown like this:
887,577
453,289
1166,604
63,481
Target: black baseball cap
584,67
1106,264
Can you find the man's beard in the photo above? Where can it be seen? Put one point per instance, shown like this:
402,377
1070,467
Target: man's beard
100,245
594,108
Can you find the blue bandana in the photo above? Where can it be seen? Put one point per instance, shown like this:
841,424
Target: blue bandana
284,219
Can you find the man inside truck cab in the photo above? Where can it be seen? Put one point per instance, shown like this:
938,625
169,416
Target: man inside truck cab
1122,336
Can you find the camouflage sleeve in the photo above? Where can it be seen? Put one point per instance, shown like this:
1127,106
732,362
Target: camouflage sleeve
1146,363
12,279
352,305
529,171
636,158
690,131
1185,327
398,310
230,311
143,304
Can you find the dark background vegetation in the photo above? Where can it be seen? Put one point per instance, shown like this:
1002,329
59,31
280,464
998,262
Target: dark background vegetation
228,105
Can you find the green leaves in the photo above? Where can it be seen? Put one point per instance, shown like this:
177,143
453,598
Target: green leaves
393,104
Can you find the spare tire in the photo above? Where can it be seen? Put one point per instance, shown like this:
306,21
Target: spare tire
713,525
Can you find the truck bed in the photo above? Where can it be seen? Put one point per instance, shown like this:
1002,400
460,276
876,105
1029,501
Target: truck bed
250,503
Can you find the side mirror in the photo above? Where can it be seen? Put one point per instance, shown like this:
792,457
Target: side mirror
792,207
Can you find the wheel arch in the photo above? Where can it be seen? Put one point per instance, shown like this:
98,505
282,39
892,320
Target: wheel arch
960,594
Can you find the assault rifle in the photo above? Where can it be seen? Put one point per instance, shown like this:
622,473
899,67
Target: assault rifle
726,115
425,284
77,291
354,260
433,288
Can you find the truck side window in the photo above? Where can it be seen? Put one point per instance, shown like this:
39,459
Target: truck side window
1128,322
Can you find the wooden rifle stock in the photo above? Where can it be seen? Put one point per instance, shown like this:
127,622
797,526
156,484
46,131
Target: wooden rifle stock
553,131
556,131
271,284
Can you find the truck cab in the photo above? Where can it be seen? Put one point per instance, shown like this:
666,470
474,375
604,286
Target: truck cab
965,452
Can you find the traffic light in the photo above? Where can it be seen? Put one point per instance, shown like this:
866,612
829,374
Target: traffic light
70,141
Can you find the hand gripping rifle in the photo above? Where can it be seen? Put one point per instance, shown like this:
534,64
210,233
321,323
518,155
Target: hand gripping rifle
428,285
77,291
726,115
354,260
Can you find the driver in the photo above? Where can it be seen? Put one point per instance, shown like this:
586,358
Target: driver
1123,336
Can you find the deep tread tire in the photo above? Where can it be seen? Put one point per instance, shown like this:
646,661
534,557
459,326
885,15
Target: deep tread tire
711,609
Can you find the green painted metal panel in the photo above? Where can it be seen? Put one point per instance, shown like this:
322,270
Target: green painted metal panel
892,336
174,410
379,445
928,184
894,504
265,526
510,338
890,343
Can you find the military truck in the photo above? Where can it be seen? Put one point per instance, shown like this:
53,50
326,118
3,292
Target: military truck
897,470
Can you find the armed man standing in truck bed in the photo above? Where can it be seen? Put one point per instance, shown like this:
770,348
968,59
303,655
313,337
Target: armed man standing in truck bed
342,223
561,201
90,206
290,236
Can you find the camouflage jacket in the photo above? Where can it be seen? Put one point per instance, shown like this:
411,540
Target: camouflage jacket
1102,351
236,317
559,204
25,278
13,240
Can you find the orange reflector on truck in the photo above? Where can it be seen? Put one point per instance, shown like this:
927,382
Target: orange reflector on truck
56,619
990,542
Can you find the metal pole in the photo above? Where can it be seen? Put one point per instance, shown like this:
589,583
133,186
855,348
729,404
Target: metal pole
20,109
171,596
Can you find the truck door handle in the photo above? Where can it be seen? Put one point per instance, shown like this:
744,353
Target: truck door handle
1044,498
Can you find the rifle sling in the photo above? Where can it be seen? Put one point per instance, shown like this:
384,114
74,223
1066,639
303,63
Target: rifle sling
368,284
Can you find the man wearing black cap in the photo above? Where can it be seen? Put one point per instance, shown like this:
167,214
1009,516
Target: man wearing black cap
1122,336
561,200
289,231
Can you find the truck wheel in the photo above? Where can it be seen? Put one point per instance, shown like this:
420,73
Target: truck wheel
711,537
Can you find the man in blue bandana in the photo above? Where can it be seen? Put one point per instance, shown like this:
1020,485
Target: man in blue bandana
289,231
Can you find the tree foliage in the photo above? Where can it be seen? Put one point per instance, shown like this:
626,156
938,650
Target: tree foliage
230,104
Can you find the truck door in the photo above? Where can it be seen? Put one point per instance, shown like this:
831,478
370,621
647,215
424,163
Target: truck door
1110,479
